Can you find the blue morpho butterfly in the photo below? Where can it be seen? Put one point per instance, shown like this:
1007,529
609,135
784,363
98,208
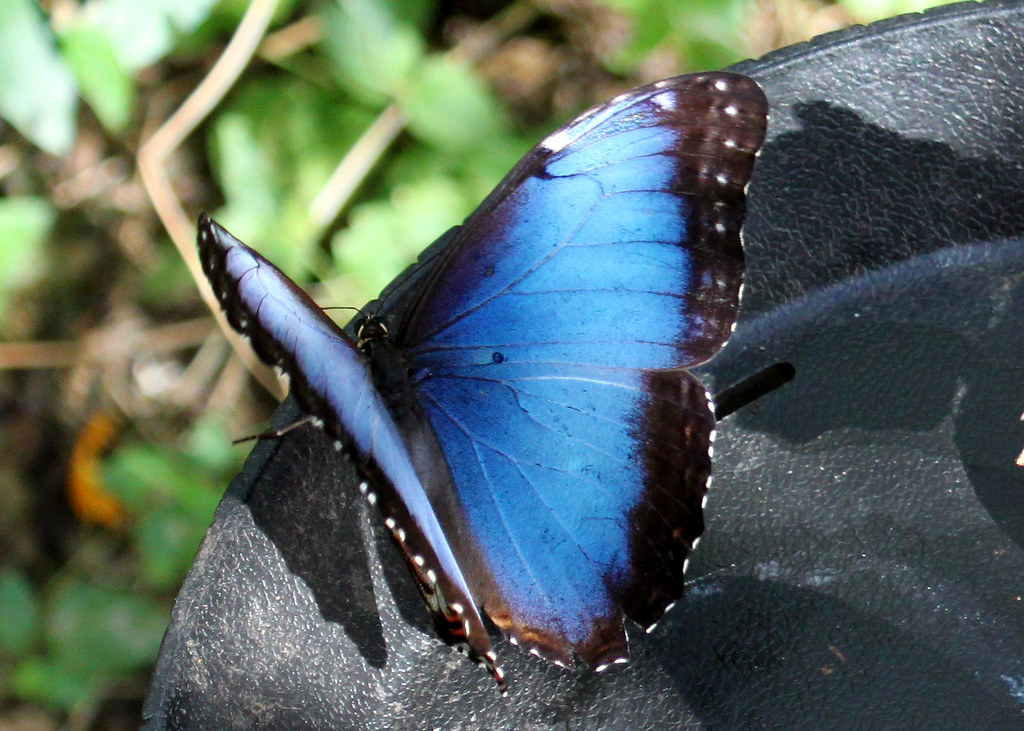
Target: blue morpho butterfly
521,415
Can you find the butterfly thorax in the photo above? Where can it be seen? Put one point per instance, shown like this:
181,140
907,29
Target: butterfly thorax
390,371
388,367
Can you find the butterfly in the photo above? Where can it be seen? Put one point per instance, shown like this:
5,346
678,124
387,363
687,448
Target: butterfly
521,414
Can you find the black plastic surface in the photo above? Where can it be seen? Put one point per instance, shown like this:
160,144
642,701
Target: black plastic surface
864,559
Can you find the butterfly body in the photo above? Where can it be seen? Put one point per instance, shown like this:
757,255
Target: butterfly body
522,413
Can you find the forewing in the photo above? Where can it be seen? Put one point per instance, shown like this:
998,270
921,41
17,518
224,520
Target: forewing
331,380
615,242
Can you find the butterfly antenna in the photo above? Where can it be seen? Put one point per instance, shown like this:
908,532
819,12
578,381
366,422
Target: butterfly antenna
343,307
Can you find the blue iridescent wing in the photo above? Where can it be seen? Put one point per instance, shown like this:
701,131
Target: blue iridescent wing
332,380
547,350
626,221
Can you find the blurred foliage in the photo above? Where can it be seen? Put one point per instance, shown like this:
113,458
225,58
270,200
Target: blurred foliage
273,146
84,83
25,223
99,620
92,636
37,88
701,33
172,492
868,11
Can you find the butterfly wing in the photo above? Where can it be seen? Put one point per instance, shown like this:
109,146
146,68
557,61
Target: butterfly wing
332,381
626,221
547,348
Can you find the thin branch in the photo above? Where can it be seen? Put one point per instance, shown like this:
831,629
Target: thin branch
291,39
154,153
374,142
25,356
66,353
356,165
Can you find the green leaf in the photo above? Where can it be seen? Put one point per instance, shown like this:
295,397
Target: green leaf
96,632
43,681
448,105
128,472
246,176
485,168
274,149
173,498
142,32
104,83
37,91
701,34
167,283
25,223
184,16
415,13
167,541
868,11
209,444
147,477
383,237
369,251
18,609
94,636
372,51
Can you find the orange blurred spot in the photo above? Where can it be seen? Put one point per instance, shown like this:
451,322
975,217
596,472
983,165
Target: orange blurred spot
88,497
